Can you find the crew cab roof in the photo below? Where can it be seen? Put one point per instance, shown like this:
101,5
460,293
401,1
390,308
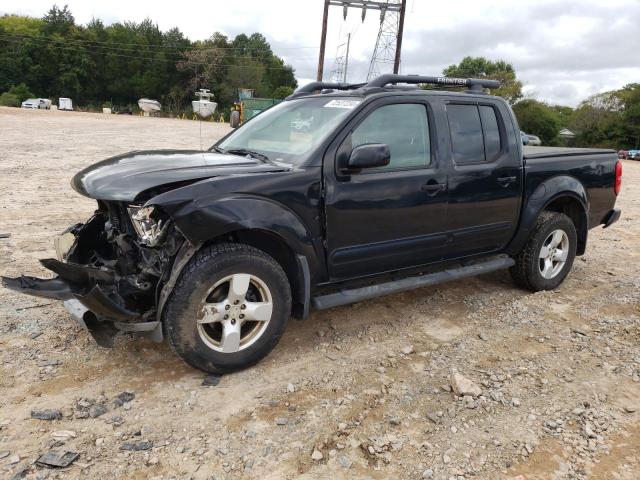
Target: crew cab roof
414,91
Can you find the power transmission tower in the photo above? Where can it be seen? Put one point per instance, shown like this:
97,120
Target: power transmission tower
389,42
341,66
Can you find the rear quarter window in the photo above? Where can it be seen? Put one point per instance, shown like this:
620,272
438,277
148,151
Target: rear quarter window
491,131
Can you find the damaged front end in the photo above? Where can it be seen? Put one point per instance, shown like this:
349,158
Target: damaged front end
111,270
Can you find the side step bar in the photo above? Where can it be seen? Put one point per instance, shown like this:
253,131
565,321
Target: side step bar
345,297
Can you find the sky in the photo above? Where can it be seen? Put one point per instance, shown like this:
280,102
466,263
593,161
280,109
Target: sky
562,50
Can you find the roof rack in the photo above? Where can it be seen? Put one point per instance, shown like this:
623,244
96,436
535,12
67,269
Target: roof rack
475,84
309,88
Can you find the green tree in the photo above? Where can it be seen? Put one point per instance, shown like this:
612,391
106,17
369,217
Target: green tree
21,91
564,114
9,100
19,25
282,92
58,20
597,121
277,74
630,115
121,62
539,119
480,67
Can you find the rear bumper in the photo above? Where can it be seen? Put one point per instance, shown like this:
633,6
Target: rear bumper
611,217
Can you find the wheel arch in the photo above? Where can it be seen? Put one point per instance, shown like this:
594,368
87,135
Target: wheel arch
563,194
257,221
572,208
295,265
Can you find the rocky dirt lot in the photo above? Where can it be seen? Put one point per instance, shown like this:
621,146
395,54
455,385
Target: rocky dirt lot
363,391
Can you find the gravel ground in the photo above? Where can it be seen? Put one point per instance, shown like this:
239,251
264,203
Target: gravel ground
364,391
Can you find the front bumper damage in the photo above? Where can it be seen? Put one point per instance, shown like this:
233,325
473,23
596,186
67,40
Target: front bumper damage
107,280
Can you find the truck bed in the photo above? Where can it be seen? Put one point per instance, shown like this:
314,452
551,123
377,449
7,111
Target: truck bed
545,152
594,167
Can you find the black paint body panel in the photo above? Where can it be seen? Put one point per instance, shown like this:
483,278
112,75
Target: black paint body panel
125,177
364,225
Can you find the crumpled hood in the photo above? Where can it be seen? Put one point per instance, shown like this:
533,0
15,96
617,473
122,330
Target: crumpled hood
124,177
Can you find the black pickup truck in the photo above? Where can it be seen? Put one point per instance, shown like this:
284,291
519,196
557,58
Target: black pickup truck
343,192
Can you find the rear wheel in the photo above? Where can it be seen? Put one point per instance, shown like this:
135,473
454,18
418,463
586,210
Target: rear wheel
229,308
546,259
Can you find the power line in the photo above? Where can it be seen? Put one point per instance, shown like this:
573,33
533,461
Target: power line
158,45
67,42
83,49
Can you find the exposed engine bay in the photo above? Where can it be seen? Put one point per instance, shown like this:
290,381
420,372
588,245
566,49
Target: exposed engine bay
111,269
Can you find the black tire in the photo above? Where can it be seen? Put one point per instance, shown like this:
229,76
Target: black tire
234,119
205,269
526,273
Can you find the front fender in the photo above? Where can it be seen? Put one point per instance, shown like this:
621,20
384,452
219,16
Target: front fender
544,194
200,223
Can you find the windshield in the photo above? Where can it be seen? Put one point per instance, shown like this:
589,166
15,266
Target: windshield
290,130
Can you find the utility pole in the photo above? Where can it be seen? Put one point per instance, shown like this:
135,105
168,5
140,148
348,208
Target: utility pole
396,63
389,41
346,59
323,40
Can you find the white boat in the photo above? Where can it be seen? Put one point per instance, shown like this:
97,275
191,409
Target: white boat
148,105
204,107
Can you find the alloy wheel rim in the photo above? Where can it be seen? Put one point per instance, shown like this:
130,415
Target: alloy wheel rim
234,313
553,254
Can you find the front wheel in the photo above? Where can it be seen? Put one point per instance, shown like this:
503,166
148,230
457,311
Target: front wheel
546,259
229,308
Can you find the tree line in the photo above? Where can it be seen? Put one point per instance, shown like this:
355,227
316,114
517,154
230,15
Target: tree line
606,120
98,65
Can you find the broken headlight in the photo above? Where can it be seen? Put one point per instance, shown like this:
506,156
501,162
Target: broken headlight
149,223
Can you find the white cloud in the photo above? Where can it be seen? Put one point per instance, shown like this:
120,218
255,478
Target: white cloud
564,51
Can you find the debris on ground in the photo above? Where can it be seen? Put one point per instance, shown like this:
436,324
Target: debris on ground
63,434
137,446
57,458
211,380
47,414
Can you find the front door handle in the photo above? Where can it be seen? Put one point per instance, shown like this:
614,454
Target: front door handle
506,181
433,189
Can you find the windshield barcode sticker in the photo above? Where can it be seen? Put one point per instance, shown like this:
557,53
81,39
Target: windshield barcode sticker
342,103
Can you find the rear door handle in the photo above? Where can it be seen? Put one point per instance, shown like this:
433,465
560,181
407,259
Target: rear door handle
433,188
506,181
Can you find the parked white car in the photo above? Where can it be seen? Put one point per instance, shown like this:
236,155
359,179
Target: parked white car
534,140
39,103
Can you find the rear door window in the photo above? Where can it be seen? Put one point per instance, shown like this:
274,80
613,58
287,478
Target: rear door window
475,133
466,134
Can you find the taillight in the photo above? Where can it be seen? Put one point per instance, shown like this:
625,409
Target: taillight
618,184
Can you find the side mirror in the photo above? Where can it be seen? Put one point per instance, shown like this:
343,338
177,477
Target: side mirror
370,155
